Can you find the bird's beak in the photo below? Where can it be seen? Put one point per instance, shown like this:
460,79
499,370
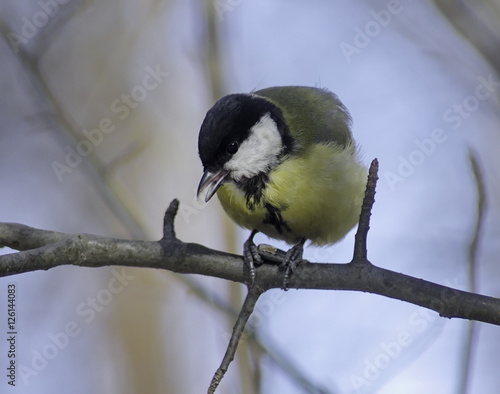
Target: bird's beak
210,182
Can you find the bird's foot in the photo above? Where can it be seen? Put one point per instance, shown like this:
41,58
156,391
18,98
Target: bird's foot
251,256
292,259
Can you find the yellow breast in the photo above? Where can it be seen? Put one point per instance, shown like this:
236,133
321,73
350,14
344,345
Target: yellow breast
319,196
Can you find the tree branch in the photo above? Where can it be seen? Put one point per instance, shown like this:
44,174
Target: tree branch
43,250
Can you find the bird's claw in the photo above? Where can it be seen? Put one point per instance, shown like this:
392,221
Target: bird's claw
251,256
292,259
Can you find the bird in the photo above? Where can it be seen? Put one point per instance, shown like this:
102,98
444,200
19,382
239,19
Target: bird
283,162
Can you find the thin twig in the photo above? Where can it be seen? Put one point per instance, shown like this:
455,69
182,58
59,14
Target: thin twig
251,299
168,220
265,346
360,250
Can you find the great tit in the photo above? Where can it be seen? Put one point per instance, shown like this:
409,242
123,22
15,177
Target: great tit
283,162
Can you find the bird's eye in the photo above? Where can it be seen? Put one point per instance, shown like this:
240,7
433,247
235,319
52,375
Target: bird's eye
232,148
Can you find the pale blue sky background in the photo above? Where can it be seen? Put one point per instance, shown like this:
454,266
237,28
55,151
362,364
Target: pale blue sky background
399,89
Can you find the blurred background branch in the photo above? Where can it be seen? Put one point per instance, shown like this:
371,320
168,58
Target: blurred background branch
472,329
477,21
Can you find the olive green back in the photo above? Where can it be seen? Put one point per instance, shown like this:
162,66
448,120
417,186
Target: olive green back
314,115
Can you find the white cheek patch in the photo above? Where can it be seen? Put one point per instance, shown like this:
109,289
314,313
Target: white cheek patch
259,152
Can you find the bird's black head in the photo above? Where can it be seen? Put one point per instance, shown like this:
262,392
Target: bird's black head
242,136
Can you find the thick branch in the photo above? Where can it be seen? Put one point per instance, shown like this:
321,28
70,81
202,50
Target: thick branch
94,251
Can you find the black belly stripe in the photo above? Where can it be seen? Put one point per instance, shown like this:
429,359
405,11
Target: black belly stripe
253,188
274,218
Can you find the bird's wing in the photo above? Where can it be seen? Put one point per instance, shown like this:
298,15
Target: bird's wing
314,115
